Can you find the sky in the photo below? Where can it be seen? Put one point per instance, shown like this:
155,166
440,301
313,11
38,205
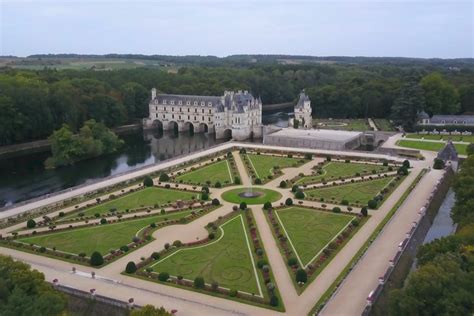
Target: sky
399,28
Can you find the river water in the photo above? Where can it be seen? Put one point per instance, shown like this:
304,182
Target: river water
23,178
443,224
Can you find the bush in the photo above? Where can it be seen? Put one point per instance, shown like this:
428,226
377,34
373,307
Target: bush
205,189
363,211
211,236
31,223
155,255
204,196
163,276
216,202
345,202
372,204
237,180
292,261
355,222
103,221
148,181
233,293
242,151
328,158
294,188
177,243
218,184
214,285
124,248
283,184
131,267
243,206
274,301
267,205
301,276
299,195
403,171
96,259
289,201
199,283
406,164
438,164
308,156
164,177
336,209
261,263
258,181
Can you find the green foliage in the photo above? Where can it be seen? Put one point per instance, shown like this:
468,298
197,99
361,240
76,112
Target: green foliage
164,177
25,292
94,139
131,267
163,276
150,310
216,202
267,205
438,163
372,204
274,301
243,206
406,163
409,102
31,223
301,276
441,96
463,210
204,196
470,149
283,184
96,259
296,123
336,209
199,283
364,211
299,194
292,261
148,181
289,201
237,180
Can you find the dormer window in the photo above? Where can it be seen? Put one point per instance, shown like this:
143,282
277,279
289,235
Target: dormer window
195,103
464,122
188,103
209,104
443,122
202,103
180,102
164,101
455,122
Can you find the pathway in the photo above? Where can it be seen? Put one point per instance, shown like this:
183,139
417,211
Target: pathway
372,124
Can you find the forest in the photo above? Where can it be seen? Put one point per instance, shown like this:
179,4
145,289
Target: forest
34,103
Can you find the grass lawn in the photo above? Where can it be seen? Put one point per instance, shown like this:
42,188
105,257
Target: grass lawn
219,171
263,164
334,170
145,197
309,231
355,193
342,124
432,146
266,196
227,260
102,238
454,138
384,125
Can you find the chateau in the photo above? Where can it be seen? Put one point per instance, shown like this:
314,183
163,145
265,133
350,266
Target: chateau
303,111
235,114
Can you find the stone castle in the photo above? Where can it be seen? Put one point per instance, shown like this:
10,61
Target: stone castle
236,115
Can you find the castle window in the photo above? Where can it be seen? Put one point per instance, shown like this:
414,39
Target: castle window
180,102
194,118
156,108
172,116
455,122
208,119
202,103
180,117
164,101
195,110
203,118
172,109
189,117
195,103
156,115
164,116
172,102
209,111
464,122
164,109
180,109
443,122
209,104
202,110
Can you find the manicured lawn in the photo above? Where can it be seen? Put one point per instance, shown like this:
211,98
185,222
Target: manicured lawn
432,146
355,193
342,124
102,238
263,164
219,171
384,125
309,231
334,170
227,260
454,138
145,197
266,196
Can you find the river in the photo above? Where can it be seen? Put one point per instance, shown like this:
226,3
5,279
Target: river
442,224
24,177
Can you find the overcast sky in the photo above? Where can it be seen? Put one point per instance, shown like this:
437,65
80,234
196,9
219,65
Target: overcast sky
423,28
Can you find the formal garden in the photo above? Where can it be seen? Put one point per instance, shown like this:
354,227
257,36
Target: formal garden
430,145
251,195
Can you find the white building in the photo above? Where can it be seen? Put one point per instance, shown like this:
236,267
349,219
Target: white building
237,115
303,111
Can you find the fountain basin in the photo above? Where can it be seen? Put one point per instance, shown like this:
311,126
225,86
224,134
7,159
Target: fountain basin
255,195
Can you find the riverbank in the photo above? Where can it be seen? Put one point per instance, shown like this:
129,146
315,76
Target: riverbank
43,145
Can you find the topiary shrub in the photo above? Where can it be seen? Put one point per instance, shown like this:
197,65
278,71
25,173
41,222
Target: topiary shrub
292,261
96,259
163,276
299,195
283,184
31,223
243,206
274,301
267,205
204,196
155,255
124,248
261,263
363,211
345,202
103,221
218,184
294,188
372,204
258,181
131,267
164,177
438,164
289,201
216,202
237,180
205,189
211,236
406,163
308,156
148,181
336,209
301,276
199,283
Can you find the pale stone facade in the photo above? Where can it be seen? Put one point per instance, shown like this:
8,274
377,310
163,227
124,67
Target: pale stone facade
303,111
235,114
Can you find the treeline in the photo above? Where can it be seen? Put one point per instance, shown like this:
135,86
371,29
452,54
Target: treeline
35,103
443,283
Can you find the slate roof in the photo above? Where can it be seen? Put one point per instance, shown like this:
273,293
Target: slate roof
303,98
451,119
448,152
423,115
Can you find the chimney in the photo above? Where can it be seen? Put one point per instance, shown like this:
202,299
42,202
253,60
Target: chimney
153,93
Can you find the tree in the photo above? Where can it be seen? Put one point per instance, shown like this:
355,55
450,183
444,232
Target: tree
31,223
292,261
364,211
289,201
25,292
409,102
204,196
336,209
301,276
470,149
406,163
441,96
267,205
438,163
148,181
131,267
243,206
199,283
164,177
163,276
283,184
96,259
372,204
299,194
237,180
149,310
216,202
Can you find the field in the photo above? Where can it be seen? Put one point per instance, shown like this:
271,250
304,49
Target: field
145,197
355,193
227,260
454,138
342,124
266,196
263,164
102,238
334,170
219,171
384,125
309,231
431,146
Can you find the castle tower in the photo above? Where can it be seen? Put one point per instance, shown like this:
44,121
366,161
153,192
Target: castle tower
303,111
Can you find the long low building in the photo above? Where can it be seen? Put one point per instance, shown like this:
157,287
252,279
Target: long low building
314,138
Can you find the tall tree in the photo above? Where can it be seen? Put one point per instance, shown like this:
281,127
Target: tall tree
406,106
441,96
